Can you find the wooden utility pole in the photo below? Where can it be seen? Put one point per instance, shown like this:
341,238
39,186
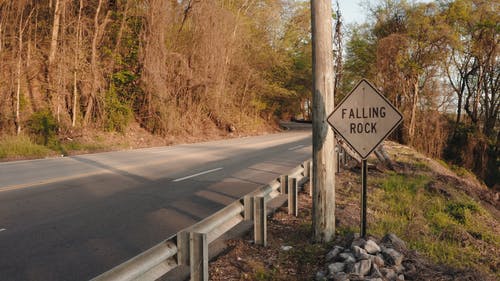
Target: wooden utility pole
323,104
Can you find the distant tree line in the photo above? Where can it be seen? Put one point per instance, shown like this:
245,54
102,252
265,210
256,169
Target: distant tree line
173,66
439,63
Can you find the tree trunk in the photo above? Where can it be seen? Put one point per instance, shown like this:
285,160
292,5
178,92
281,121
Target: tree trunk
27,75
459,104
53,94
122,27
22,27
18,79
95,87
323,103
75,71
1,36
413,115
55,32
477,95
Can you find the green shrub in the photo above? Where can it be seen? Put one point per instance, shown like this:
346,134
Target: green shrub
400,182
118,114
43,126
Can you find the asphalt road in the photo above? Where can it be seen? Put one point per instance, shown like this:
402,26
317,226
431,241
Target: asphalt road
73,218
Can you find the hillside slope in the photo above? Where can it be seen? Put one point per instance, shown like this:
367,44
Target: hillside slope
449,220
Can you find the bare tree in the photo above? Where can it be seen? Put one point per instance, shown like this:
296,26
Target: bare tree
96,84
55,30
76,64
23,23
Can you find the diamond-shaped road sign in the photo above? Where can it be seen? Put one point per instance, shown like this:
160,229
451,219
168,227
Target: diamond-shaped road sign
364,118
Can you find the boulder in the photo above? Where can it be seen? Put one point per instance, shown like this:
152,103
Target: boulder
341,276
371,247
336,268
392,257
321,276
392,241
347,257
332,255
375,271
389,274
358,242
378,260
399,268
362,268
360,253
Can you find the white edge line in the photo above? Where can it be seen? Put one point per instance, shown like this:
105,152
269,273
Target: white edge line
197,174
2,229
296,147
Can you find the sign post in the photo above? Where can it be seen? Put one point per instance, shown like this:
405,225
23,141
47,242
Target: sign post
364,118
364,169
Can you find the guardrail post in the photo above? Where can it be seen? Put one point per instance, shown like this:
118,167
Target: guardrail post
292,197
260,221
248,205
199,256
284,184
307,169
183,248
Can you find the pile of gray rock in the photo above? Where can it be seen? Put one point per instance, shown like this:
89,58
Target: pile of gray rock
366,260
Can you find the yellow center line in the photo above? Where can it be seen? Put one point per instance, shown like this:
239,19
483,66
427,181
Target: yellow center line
48,181
94,173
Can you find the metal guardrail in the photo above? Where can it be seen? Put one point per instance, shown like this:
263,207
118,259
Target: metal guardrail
190,245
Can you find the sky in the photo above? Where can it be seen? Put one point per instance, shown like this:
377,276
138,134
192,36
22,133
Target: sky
354,13
351,11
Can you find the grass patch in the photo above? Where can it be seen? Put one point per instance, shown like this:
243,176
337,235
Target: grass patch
461,171
263,274
422,166
443,163
400,182
75,146
460,211
455,231
458,170
21,147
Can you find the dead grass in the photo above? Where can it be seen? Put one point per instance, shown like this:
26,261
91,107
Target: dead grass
247,261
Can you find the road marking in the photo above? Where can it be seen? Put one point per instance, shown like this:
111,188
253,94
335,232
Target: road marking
126,168
296,147
2,229
197,174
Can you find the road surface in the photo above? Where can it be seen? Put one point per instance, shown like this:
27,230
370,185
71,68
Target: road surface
73,218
